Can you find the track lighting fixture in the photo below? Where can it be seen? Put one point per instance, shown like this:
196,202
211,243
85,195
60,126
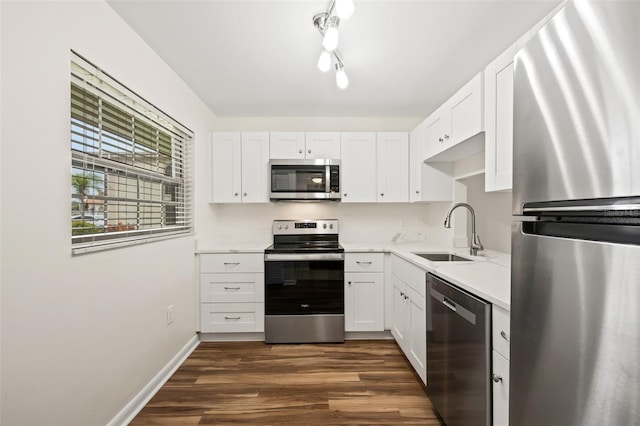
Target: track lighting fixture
327,24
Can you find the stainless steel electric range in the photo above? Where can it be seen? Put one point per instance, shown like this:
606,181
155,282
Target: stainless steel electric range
304,283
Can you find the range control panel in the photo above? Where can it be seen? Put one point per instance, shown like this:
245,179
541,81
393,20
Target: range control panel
306,226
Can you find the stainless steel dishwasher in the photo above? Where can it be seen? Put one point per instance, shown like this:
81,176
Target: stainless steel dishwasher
458,354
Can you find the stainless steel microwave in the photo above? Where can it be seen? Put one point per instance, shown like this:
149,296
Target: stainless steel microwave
305,180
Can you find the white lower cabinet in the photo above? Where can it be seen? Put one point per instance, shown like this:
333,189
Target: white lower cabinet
501,336
231,293
409,325
500,380
364,292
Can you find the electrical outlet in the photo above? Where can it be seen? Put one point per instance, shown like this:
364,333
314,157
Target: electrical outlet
169,314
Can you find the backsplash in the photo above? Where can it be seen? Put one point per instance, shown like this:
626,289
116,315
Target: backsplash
251,223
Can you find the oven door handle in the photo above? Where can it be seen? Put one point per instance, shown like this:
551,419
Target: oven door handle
275,257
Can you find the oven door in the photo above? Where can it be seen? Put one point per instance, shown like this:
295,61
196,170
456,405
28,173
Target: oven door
304,284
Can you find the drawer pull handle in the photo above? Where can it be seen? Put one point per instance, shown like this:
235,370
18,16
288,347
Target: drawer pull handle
232,318
231,263
232,288
362,262
504,336
496,378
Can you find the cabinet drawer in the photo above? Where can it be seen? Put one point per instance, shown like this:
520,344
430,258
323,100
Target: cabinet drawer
232,262
501,331
231,317
231,288
500,390
364,262
410,274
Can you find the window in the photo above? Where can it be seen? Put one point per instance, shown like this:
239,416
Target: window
130,173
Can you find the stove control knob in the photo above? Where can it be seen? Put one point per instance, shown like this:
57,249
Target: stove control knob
279,226
286,227
331,226
324,225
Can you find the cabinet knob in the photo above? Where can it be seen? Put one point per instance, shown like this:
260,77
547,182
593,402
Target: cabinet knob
402,294
382,194
406,297
504,335
417,192
299,151
244,195
440,140
235,195
446,136
496,378
309,151
349,282
344,195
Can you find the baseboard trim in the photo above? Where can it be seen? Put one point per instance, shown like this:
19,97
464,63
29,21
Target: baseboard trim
133,407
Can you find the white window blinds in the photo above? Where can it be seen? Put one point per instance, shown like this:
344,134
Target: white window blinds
131,179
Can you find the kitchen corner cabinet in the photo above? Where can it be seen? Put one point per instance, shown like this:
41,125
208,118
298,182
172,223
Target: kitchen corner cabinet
500,374
457,120
364,292
239,163
498,107
300,145
427,181
392,167
409,325
231,292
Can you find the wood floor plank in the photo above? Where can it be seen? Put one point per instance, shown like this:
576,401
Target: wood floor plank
358,382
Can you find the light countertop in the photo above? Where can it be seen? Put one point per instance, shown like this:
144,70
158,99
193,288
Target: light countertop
488,276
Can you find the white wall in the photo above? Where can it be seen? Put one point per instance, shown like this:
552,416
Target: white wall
81,335
369,222
493,214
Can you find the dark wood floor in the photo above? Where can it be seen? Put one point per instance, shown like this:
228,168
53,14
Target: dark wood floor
358,382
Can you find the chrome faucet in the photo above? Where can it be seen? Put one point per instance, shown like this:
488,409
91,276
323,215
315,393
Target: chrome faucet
476,244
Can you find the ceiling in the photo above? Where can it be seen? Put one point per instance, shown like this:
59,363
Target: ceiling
258,58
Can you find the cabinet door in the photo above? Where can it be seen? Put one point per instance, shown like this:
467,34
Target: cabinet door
417,155
364,302
465,111
400,321
393,167
500,383
498,121
418,334
285,145
358,167
226,170
436,125
323,145
255,167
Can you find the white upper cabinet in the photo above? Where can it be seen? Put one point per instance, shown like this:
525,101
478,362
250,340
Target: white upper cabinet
310,145
427,181
255,167
239,163
393,167
323,145
498,106
226,168
417,155
458,120
285,145
358,167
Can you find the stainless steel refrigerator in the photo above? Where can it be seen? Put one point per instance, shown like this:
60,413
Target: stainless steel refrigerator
575,301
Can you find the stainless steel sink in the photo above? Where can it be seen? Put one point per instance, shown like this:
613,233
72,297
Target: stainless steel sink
442,257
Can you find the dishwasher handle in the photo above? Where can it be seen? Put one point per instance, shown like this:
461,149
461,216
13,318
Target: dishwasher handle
455,307
449,304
